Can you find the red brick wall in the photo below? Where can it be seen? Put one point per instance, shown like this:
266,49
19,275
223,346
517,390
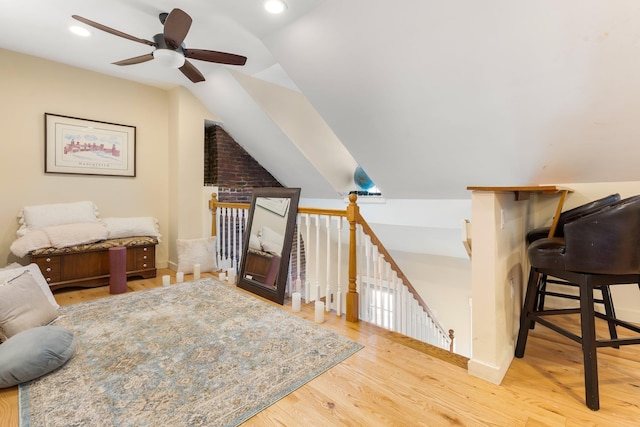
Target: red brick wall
229,167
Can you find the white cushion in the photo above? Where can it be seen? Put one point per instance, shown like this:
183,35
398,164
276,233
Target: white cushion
33,353
254,242
11,266
65,235
30,241
267,234
196,251
6,275
131,227
23,306
35,217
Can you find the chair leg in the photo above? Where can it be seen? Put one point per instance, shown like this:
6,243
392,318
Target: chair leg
527,308
609,311
538,304
542,288
587,321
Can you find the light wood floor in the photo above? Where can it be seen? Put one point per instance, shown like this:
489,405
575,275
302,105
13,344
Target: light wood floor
396,382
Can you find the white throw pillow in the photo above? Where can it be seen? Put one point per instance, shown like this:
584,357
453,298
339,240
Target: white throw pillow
131,227
65,235
254,242
6,275
11,266
196,251
23,306
30,241
35,217
267,234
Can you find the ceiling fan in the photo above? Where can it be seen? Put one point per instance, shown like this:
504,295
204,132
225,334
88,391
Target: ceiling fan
169,46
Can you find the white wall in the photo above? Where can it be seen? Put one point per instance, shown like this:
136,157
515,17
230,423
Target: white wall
444,283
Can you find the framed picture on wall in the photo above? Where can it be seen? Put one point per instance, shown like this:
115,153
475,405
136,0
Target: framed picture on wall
88,147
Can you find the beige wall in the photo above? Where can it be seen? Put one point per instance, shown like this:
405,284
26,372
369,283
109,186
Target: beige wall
186,168
31,86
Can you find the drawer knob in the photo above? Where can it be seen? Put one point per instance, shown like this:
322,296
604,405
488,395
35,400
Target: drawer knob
144,257
145,249
48,259
144,265
48,279
48,269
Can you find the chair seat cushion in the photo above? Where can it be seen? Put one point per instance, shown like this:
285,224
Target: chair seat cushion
33,353
547,253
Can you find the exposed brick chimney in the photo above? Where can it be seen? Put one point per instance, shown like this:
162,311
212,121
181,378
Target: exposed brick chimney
229,167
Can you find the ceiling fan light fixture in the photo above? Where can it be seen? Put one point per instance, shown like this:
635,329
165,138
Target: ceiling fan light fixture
168,58
275,6
79,31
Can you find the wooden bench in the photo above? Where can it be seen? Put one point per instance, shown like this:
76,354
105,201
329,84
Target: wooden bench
88,265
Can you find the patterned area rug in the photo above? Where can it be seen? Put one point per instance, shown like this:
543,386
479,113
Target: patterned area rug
196,354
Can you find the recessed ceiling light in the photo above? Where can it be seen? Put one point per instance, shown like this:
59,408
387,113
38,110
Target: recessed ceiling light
79,31
275,6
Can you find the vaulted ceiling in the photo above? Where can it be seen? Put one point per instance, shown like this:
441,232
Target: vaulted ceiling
428,96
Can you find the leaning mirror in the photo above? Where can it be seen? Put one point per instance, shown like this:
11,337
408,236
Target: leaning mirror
267,242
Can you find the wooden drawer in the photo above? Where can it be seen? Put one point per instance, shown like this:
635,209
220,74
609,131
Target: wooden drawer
141,258
49,266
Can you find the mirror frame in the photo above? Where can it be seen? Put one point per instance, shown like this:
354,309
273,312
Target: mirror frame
249,284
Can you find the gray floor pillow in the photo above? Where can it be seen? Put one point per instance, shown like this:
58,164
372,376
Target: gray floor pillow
33,353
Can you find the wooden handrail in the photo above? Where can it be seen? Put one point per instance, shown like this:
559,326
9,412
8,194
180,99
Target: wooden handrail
320,211
352,214
382,250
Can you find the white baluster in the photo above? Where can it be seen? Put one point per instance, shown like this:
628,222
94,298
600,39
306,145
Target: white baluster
298,283
327,293
229,240
339,281
317,258
307,282
223,235
367,284
234,227
397,300
380,290
374,280
389,300
217,243
403,302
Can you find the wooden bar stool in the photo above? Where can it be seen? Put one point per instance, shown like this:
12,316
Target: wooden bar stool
544,232
598,250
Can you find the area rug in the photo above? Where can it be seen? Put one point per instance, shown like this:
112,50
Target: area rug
195,354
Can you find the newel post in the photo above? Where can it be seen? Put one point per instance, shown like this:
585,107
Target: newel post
353,212
213,206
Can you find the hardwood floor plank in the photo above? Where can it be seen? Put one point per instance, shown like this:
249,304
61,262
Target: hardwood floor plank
393,381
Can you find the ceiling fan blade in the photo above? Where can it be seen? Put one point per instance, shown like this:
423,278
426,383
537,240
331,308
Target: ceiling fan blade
112,31
135,60
214,56
176,27
191,72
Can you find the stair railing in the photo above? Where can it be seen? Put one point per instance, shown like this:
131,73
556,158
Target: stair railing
377,290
